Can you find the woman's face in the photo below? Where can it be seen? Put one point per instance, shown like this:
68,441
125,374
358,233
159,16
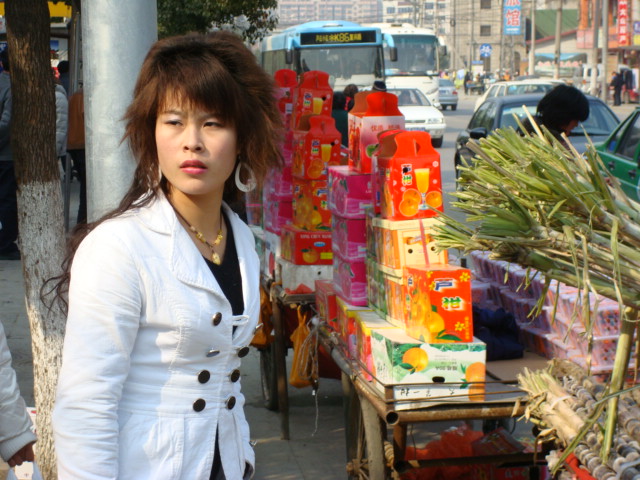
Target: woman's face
196,151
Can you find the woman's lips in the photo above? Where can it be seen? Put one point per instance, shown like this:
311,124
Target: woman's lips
193,166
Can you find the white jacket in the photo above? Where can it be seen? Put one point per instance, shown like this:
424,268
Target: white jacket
15,425
147,372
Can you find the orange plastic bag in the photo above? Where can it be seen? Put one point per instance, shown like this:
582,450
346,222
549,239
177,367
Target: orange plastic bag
264,335
304,368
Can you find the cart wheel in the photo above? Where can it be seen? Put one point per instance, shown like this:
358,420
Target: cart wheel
364,434
268,377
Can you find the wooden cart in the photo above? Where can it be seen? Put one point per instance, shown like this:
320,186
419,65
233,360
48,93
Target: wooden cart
371,413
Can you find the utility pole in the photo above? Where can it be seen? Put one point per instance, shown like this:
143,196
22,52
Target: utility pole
593,86
532,39
605,49
556,59
471,37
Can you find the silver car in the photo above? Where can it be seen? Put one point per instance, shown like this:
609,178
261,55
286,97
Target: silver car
448,94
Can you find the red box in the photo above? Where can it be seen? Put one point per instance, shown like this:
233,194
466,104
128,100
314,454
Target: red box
310,206
408,176
316,145
349,191
313,95
301,247
326,303
438,303
350,280
286,80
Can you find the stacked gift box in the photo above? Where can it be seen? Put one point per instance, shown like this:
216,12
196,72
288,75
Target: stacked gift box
560,335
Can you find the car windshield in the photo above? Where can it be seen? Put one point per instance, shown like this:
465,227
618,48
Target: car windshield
411,98
528,88
601,121
444,82
507,117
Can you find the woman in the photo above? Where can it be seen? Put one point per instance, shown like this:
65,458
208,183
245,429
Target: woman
164,291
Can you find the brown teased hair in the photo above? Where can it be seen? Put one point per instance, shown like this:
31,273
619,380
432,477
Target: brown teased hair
215,72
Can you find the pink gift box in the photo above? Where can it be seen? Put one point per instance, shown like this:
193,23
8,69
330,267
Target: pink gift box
278,184
350,280
349,191
277,214
349,237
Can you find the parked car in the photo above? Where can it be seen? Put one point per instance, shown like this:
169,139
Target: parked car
620,153
420,114
448,94
498,112
516,87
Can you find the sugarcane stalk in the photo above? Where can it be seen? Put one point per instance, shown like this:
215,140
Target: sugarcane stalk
620,366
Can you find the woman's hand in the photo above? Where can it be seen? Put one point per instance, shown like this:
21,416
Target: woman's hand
25,454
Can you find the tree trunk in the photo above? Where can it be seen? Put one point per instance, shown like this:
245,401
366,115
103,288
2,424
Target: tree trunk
40,218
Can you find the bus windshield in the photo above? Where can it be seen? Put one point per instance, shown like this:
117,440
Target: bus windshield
417,56
345,65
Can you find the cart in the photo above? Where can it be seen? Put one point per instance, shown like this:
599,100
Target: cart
370,412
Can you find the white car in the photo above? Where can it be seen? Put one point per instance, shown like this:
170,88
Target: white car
420,114
516,87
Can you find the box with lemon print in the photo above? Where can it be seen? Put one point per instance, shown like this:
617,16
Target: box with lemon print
316,146
438,303
310,206
408,176
455,370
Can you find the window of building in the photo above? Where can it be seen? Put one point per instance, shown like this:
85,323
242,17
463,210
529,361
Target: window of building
391,10
428,5
485,30
486,4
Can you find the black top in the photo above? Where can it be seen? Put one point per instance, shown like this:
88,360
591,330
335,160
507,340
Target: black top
228,273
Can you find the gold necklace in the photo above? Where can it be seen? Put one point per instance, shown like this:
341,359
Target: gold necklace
215,258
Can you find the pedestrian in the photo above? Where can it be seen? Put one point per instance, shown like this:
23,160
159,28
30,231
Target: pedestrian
617,82
8,186
560,111
163,292
63,71
467,81
340,115
62,121
379,86
16,437
350,92
76,148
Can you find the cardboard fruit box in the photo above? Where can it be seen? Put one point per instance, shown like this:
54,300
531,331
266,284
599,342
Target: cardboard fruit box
302,247
316,145
326,303
310,208
408,176
365,322
438,303
349,191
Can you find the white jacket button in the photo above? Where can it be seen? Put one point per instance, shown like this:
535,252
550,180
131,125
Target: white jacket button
199,405
216,319
243,352
231,402
204,376
235,375
212,353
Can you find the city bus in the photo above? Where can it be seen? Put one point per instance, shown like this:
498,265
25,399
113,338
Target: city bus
420,58
349,52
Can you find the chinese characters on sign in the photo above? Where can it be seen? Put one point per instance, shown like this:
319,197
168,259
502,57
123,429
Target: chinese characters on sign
512,17
623,22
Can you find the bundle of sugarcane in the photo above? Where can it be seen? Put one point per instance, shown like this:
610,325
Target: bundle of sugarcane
531,201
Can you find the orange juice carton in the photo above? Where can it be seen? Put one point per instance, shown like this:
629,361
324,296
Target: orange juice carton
302,247
313,95
349,237
277,214
349,191
438,371
301,278
375,190
408,176
403,242
310,207
382,114
438,303
278,183
350,279
316,145
326,303
346,320
354,118
366,321
271,253
286,81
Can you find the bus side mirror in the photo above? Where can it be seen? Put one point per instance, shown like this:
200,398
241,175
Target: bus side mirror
288,57
393,54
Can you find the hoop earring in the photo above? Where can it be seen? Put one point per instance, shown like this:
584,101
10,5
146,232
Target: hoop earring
251,180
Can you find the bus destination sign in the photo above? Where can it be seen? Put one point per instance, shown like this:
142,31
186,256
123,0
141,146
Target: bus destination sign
322,38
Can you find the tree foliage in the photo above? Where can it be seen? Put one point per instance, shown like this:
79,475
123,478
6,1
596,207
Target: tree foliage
253,19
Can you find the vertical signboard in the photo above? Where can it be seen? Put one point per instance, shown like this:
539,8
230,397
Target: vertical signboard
512,17
624,36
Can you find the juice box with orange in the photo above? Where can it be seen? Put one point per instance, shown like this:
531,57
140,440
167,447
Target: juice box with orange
403,242
326,303
346,320
442,371
313,95
408,176
310,206
349,191
302,247
316,146
353,121
286,81
382,114
438,303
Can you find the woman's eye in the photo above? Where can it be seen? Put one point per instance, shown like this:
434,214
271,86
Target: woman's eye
213,123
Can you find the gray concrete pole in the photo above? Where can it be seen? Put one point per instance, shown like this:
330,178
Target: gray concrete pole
116,36
604,93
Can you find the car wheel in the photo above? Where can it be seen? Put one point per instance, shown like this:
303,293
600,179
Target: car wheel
454,107
437,142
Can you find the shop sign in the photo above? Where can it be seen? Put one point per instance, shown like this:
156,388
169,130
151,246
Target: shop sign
623,22
512,17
